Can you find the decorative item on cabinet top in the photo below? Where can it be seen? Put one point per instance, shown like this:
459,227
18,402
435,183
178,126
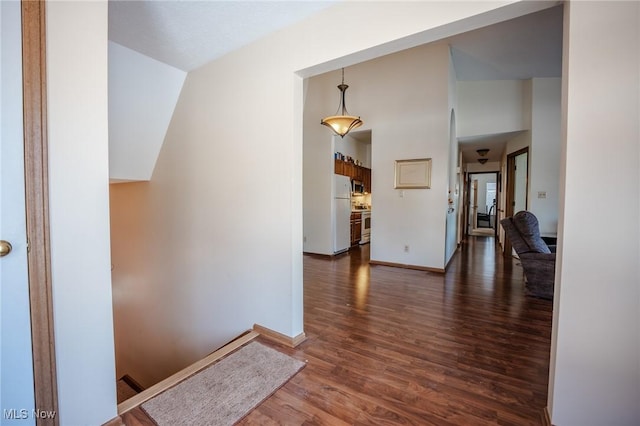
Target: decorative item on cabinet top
347,158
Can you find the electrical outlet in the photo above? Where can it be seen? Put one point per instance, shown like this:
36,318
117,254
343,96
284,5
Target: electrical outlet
304,239
406,249
542,194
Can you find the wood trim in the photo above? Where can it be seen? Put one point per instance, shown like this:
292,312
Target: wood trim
132,383
274,336
546,418
37,206
319,256
116,421
509,198
452,257
405,266
184,374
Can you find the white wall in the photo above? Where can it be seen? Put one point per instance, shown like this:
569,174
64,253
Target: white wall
453,189
595,364
489,166
142,96
320,144
352,147
219,266
79,210
318,168
487,107
407,100
412,122
520,141
541,116
544,154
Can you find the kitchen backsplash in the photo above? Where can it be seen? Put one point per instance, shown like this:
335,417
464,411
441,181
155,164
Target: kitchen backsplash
361,200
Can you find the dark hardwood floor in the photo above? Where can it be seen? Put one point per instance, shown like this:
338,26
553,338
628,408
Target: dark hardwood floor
397,346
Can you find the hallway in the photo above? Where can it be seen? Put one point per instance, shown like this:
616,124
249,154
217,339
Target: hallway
397,346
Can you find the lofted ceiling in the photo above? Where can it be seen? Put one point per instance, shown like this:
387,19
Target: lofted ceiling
187,34
519,49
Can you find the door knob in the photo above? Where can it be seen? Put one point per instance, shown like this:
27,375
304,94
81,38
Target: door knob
5,248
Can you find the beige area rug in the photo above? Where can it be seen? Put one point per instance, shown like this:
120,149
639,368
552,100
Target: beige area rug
226,391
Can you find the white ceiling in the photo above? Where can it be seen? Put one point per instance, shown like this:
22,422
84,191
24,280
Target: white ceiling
526,47
187,34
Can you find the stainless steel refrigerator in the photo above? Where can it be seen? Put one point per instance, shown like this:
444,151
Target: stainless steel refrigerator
341,213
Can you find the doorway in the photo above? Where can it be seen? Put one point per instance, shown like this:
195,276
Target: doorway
482,205
517,187
28,352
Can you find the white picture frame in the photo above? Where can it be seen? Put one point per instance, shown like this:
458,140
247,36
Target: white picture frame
413,174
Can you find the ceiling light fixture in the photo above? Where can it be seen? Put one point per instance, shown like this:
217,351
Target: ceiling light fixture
482,152
482,160
343,123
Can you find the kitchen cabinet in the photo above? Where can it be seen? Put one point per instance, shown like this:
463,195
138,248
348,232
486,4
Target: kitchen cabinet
358,173
366,179
356,228
349,169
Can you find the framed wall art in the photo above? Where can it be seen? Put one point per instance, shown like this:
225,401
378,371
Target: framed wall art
413,174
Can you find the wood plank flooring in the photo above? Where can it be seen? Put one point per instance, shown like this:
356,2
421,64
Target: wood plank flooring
390,346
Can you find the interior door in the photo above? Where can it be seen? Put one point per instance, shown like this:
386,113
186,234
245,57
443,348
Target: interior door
16,364
517,183
520,182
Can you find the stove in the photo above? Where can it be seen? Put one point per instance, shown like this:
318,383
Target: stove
365,236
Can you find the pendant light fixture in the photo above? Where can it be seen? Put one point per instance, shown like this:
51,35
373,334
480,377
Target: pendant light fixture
343,123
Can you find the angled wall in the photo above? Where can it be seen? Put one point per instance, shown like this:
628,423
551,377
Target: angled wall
142,96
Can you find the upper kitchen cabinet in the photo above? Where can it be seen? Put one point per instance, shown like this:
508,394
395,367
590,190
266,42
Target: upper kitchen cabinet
353,157
366,179
358,173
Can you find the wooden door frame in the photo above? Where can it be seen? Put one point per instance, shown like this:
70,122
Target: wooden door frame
468,199
37,207
465,206
511,186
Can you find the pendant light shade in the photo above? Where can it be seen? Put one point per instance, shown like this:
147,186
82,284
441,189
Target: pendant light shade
342,122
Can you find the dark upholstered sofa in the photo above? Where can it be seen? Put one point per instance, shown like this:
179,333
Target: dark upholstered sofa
538,260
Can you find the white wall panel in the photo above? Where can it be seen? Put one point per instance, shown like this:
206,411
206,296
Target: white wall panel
79,211
142,96
595,361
